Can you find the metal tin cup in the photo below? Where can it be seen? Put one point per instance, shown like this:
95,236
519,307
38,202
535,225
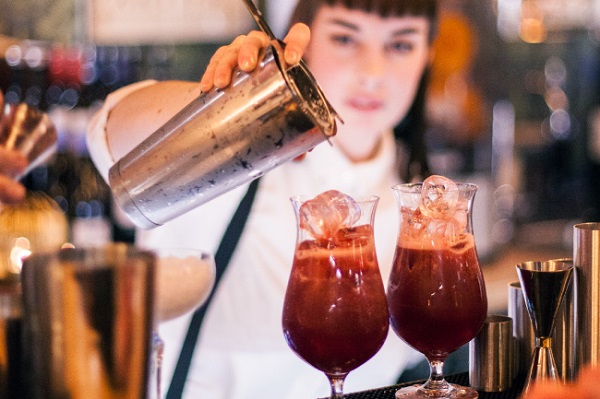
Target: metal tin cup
87,322
491,364
522,328
587,281
221,140
563,335
29,131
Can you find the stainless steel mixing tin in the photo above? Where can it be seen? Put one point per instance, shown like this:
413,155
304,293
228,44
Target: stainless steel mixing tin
223,139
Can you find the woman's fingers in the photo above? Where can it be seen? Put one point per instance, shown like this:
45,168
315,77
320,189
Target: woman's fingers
248,55
296,42
11,162
221,59
243,52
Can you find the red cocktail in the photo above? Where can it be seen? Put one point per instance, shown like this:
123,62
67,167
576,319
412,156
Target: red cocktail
436,293
435,320
335,314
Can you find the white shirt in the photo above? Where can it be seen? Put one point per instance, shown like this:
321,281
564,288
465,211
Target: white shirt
241,352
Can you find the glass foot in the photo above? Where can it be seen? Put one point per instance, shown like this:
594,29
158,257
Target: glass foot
453,391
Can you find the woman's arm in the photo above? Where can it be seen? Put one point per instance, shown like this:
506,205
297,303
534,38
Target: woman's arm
140,113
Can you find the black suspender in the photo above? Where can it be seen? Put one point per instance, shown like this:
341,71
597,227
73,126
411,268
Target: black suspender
222,257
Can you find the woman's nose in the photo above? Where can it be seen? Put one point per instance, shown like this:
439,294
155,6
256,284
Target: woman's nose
372,70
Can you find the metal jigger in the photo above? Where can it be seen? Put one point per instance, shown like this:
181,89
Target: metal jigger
544,285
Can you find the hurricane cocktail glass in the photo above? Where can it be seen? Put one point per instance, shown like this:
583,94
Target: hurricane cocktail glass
436,293
184,279
335,315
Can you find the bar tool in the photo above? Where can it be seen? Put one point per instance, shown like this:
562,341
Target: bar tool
544,285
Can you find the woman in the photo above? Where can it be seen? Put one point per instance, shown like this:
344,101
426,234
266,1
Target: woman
370,57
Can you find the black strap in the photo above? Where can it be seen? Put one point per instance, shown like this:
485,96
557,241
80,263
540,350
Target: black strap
222,257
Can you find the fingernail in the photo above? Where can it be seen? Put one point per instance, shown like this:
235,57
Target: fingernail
292,57
219,81
247,63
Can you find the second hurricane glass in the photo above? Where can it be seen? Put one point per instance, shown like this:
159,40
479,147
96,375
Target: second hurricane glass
436,293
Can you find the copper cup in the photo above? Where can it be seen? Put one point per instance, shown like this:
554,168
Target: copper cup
29,131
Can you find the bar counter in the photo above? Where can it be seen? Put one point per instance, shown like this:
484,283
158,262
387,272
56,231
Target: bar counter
461,379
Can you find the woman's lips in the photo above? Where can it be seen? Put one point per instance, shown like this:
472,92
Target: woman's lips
365,104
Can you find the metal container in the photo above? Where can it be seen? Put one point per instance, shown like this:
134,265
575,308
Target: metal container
563,336
491,363
586,259
87,323
29,131
221,140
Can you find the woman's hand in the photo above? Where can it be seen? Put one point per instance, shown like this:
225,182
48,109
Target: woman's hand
586,387
243,53
11,164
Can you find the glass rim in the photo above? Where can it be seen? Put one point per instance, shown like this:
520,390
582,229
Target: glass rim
416,187
547,266
301,198
89,253
591,226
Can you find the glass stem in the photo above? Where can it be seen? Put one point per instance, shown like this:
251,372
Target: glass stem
436,379
337,385
159,347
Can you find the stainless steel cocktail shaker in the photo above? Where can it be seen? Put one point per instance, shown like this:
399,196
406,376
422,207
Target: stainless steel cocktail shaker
223,139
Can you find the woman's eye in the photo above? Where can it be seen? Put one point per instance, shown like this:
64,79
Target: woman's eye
342,39
401,47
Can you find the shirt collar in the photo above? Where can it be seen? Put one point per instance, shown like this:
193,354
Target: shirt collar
335,171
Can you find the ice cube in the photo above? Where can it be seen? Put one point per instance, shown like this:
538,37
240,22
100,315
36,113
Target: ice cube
328,212
439,198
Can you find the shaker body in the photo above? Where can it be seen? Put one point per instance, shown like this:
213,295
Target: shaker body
221,140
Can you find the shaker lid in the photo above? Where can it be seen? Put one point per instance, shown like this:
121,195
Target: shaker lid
312,100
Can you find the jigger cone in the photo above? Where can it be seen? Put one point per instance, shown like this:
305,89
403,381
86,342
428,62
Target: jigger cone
544,285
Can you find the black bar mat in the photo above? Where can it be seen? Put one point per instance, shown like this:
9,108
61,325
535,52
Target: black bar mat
461,379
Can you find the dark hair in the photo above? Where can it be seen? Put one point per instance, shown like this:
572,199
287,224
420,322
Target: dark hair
411,130
306,10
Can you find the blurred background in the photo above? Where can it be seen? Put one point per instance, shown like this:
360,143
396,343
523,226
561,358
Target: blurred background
513,104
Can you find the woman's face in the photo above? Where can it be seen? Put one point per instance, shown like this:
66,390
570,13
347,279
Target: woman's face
369,68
